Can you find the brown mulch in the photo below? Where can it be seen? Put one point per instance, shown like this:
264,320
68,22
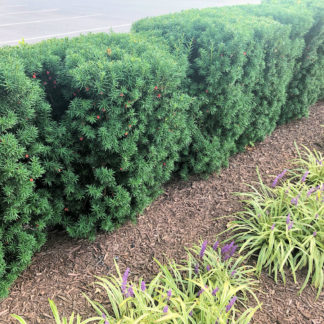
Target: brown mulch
184,214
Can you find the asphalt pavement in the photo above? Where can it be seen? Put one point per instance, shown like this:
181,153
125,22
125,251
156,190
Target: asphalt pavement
36,20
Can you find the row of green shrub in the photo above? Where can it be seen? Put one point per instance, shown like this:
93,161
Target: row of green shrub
91,127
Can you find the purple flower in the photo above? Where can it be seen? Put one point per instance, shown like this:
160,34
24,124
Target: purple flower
304,176
233,273
208,268
203,249
288,219
143,286
279,176
215,246
310,191
196,268
215,291
273,226
191,313
105,318
228,250
316,216
294,201
314,234
165,309
131,291
319,162
201,291
230,304
124,281
169,293
290,225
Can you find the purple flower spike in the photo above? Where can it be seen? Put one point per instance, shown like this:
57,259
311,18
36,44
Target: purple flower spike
105,318
230,304
215,246
314,234
294,201
203,249
165,309
290,225
124,281
215,291
273,226
279,176
143,286
201,291
310,191
131,291
288,219
304,176
196,268
208,268
228,250
233,273
169,294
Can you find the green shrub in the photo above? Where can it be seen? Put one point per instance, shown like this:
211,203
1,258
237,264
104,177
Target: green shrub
25,205
239,67
209,286
307,33
283,226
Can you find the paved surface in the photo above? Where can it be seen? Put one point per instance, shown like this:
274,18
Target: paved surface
35,20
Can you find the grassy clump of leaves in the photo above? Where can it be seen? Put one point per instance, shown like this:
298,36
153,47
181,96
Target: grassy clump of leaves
283,225
208,287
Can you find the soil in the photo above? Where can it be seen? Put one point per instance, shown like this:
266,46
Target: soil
187,212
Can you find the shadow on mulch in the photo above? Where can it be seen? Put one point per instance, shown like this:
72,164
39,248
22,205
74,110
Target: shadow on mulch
184,214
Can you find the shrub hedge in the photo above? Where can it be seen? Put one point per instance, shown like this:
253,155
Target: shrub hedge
91,127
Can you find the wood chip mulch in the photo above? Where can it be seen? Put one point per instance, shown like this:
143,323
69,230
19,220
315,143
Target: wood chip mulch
186,213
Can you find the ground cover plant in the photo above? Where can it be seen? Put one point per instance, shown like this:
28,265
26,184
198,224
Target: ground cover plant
282,225
210,286
100,122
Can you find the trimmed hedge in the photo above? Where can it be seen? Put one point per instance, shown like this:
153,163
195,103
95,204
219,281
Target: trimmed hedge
242,68
91,127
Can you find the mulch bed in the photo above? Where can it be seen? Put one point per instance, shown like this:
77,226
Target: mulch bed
184,214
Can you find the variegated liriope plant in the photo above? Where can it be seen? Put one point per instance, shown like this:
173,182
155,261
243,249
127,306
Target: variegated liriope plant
210,287
283,224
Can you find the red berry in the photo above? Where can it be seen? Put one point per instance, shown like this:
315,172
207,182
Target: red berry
31,179
47,72
34,76
86,89
206,91
155,88
103,109
54,81
244,53
98,117
59,170
159,95
121,169
129,125
44,82
27,156
122,95
126,134
66,209
81,139
164,163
